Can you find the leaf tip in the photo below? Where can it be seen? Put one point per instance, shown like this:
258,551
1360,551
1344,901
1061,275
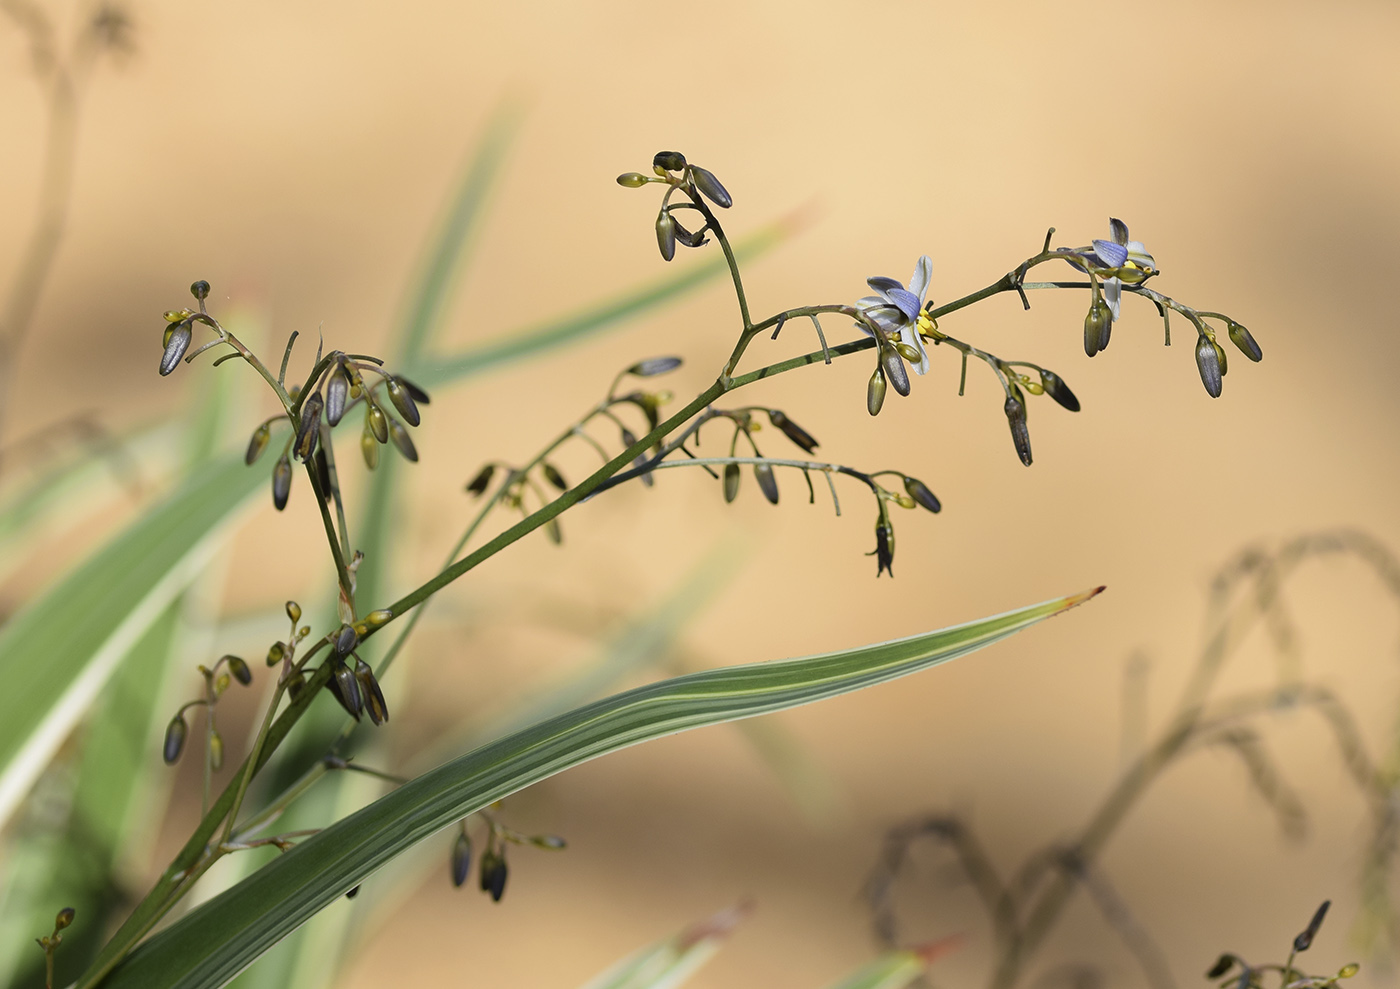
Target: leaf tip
930,951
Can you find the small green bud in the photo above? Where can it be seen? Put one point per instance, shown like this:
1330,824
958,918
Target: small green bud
731,482
792,430
1015,411
669,161
377,618
257,444
461,863
1244,340
1096,323
1348,970
654,365
550,841
1056,388
281,482
403,401
200,290
402,441
216,750
175,734
239,669
552,475
275,654
1208,363
376,422
630,180
909,353
767,483
294,611
177,341
64,918
221,684
478,485
921,494
875,392
175,316
369,449
710,187
665,236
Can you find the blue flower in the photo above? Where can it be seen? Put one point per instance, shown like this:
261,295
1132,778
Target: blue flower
1115,262
900,311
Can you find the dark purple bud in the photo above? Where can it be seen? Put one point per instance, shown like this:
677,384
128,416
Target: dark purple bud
686,237
654,365
403,401
281,482
323,474
352,892
346,640
670,161
731,482
461,859
175,734
792,430
1222,965
64,919
370,695
884,548
919,491
402,442
710,187
200,290
767,483
416,393
1020,434
310,428
177,342
239,669
493,873
345,689
482,481
1056,388
1208,363
894,369
1304,940
552,475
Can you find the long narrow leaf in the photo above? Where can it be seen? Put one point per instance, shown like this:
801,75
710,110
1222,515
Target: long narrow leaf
212,944
59,651
897,969
668,963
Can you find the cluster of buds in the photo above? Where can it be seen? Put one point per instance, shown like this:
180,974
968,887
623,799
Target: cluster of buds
179,328
696,183
353,683
916,495
492,870
215,683
1018,384
1252,976
745,425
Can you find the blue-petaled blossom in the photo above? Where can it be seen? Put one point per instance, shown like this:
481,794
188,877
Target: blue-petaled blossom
1115,262
899,310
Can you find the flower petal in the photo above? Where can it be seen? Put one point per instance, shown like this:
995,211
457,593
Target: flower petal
1112,255
910,335
1119,230
1113,294
907,301
923,274
882,285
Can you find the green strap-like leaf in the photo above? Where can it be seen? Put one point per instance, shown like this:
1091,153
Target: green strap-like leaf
213,943
58,652
668,963
897,969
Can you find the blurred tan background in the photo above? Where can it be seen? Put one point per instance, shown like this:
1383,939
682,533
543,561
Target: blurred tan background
296,154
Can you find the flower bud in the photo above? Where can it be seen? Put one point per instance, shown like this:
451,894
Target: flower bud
221,684
239,669
1208,363
345,689
1304,940
631,180
418,394
346,640
403,401
369,449
200,290
710,187
177,341
376,422
665,235
550,841
276,652
1220,356
894,370
257,443
919,491
174,316
294,611
216,750
1095,327
1222,965
175,734
370,695
402,441
1020,434
461,859
1348,970
1244,340
792,430
377,618
1056,388
654,365
884,548
310,428
731,482
875,392
337,392
909,353
552,475
281,482
323,474
767,483
687,237
482,481
64,918
669,161
493,873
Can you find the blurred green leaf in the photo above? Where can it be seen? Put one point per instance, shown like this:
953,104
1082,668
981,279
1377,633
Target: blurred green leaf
896,969
215,942
670,962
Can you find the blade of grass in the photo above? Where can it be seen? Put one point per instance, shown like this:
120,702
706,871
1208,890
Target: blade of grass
213,943
670,962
